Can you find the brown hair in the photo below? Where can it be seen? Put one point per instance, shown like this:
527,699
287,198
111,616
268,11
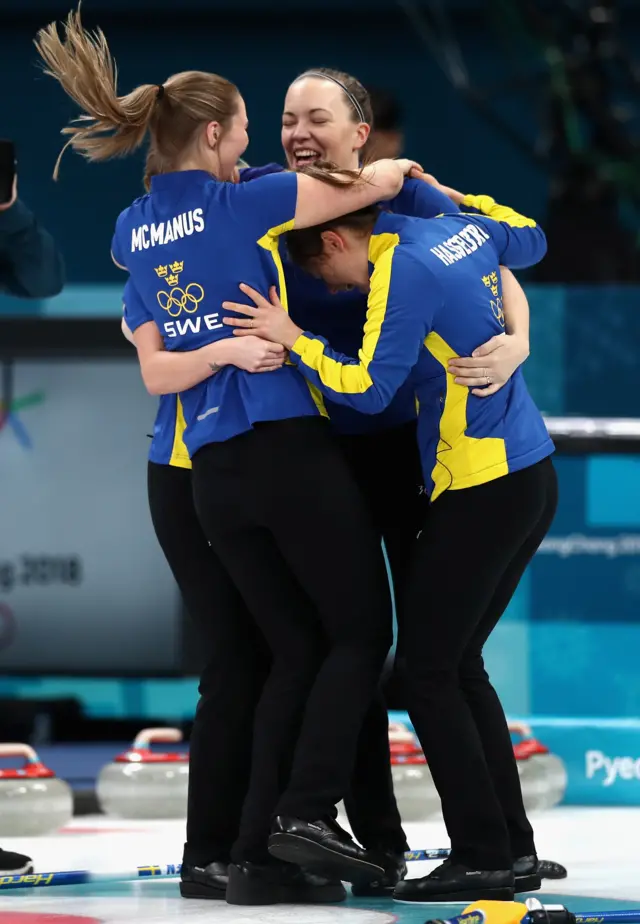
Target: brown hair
114,126
305,245
355,93
331,174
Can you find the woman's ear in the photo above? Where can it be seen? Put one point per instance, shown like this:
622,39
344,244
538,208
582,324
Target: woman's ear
212,134
362,136
332,242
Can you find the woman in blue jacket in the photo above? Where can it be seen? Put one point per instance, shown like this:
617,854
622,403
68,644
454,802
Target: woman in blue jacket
257,443
433,291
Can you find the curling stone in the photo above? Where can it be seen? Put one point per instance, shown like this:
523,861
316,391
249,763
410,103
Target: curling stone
32,799
141,783
543,776
413,785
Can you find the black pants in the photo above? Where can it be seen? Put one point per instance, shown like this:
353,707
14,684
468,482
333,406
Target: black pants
237,663
455,595
217,789
386,465
288,522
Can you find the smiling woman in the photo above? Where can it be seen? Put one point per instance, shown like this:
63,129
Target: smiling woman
327,117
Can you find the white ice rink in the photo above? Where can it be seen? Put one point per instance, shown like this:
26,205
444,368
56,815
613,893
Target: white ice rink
599,846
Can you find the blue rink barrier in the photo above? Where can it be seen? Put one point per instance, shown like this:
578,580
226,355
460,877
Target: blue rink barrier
602,756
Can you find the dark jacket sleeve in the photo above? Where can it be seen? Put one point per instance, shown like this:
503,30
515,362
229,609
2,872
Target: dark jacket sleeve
31,266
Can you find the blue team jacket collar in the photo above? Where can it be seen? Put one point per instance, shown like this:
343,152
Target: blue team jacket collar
181,178
382,238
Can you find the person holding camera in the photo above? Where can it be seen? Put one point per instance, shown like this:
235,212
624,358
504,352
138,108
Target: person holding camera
31,266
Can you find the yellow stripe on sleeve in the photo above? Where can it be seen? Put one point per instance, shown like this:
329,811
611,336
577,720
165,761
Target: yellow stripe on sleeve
349,378
491,209
271,242
345,379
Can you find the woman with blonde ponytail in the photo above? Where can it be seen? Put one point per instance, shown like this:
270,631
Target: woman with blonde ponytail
83,66
260,447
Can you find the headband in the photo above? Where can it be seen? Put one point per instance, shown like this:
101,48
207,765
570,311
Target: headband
354,102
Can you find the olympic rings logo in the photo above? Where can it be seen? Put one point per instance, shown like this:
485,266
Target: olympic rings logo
498,313
177,300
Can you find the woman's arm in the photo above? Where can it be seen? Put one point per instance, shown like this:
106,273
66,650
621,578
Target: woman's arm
393,335
318,201
421,198
126,333
31,265
169,372
524,247
515,306
520,243
498,358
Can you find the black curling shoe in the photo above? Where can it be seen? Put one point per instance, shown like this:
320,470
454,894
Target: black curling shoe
15,864
527,874
549,869
204,881
279,883
453,882
322,847
395,869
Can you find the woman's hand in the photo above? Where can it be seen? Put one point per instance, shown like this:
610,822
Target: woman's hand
453,194
252,354
410,167
14,196
491,365
267,319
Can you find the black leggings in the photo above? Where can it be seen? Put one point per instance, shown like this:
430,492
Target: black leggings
282,512
386,465
216,792
237,664
456,593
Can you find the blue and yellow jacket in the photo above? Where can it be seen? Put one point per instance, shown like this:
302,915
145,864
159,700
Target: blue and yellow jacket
435,293
339,318
167,443
186,246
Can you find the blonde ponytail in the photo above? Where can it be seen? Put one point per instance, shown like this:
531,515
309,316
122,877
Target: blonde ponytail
110,125
173,113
